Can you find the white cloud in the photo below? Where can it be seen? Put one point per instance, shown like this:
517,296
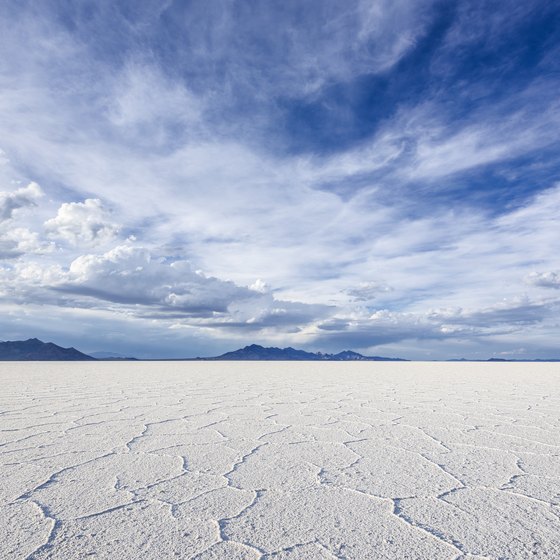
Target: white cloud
260,286
15,239
82,222
132,275
24,197
149,108
362,330
19,241
132,279
181,153
549,279
367,291
274,50
485,140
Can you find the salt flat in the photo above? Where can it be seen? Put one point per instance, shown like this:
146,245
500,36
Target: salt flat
280,460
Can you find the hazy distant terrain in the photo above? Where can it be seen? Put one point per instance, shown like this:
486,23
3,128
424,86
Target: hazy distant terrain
301,460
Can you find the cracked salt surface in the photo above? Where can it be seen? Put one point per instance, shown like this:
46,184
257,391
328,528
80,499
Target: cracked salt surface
279,461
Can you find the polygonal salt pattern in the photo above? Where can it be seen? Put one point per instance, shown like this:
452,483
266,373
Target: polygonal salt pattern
279,461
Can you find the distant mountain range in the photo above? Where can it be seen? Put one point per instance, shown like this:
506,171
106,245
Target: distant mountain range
256,352
35,349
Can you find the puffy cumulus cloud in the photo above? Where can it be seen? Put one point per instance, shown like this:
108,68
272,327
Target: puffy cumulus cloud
549,279
227,111
15,239
24,283
24,197
134,280
19,241
132,275
32,276
82,222
260,286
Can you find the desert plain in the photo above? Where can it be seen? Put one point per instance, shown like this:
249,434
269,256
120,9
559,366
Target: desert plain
280,460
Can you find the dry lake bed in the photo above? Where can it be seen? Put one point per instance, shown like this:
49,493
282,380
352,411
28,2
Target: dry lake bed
223,460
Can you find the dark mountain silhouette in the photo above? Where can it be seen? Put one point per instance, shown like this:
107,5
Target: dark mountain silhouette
256,352
35,349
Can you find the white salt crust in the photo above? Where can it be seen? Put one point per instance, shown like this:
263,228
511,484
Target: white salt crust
157,460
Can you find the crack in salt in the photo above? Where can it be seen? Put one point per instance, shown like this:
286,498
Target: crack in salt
433,533
55,527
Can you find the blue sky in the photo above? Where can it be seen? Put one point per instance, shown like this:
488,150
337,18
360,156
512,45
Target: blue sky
184,178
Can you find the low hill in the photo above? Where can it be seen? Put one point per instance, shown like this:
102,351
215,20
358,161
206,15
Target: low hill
35,349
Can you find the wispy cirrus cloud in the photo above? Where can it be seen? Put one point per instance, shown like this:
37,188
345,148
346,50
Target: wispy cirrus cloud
368,163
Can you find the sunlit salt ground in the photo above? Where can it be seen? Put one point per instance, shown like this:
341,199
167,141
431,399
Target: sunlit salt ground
280,460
